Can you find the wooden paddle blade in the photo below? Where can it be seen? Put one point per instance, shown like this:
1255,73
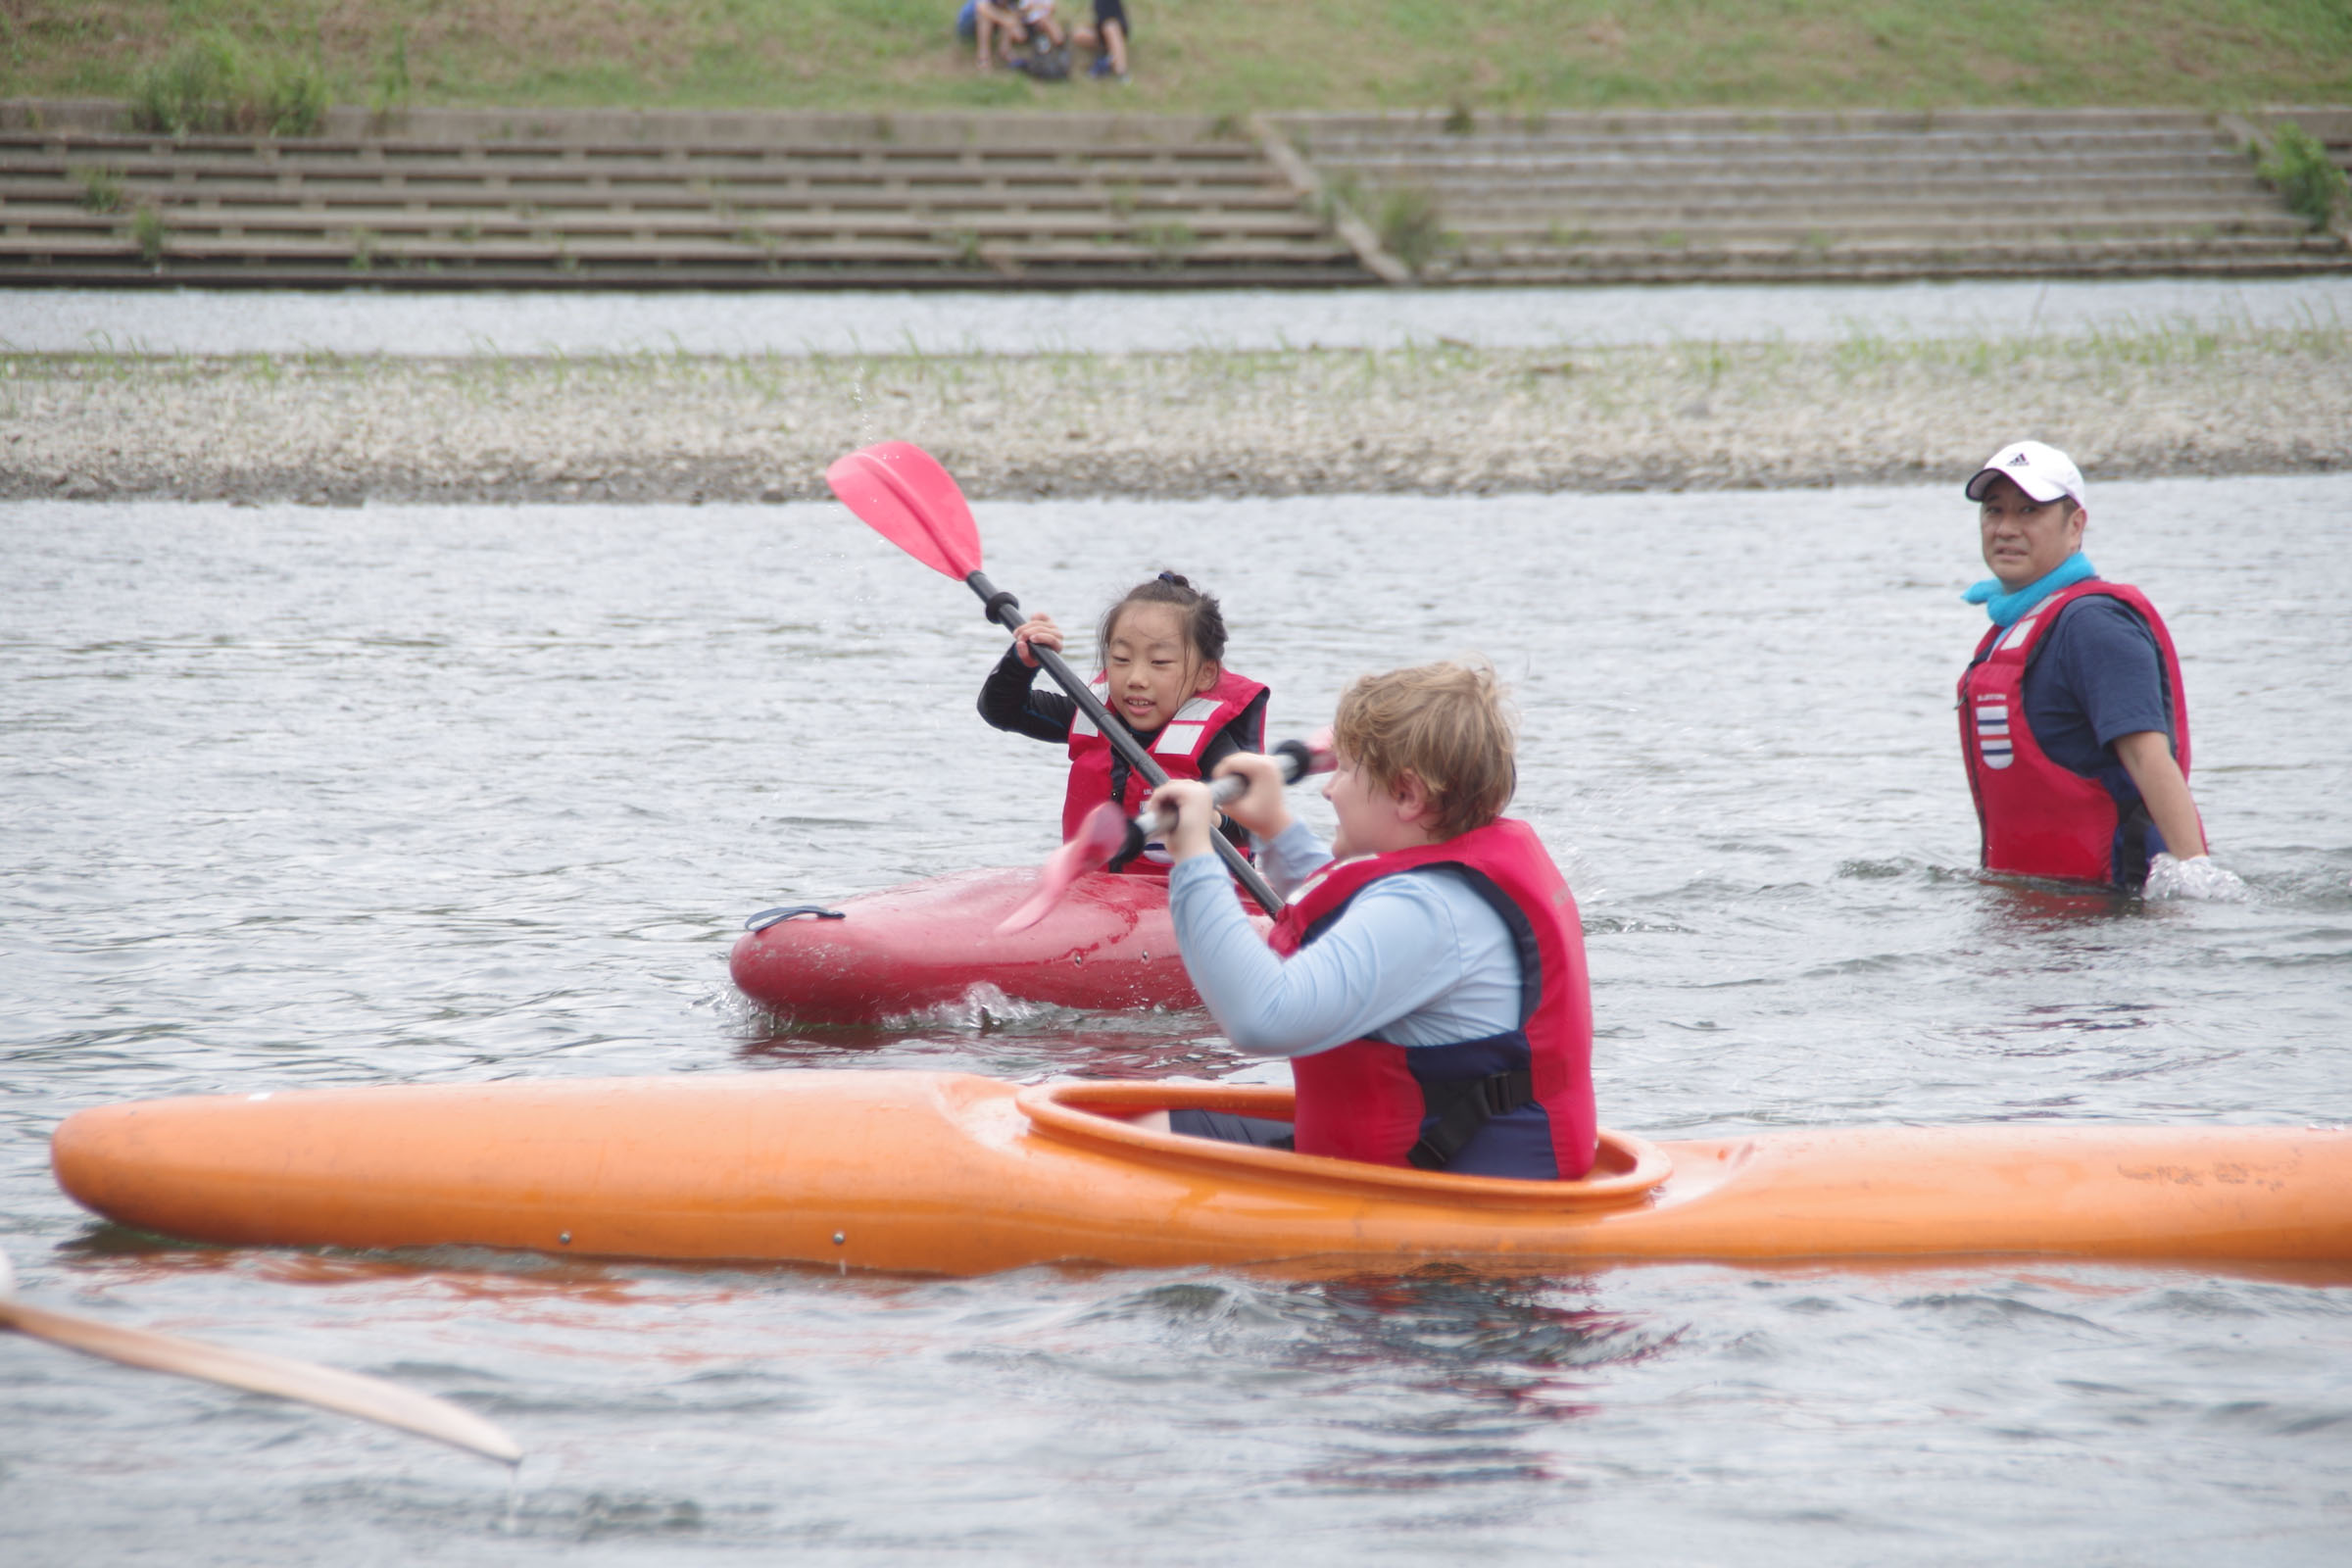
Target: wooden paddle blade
349,1393
900,491
1097,838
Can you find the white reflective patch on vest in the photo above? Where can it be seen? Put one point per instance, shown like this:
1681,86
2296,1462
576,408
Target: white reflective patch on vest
1177,740
1197,712
1992,734
2015,634
1080,724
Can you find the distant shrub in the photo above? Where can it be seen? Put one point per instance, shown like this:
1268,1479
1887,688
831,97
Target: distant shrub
174,95
293,99
1342,194
1170,243
392,76
211,86
101,187
147,232
2303,173
1410,227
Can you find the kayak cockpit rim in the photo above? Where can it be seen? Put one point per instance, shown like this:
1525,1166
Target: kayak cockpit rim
1625,1172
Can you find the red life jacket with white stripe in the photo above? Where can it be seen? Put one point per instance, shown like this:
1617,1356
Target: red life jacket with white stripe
2039,818
1385,1103
1177,748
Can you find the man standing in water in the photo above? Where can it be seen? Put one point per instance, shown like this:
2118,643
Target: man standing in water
2073,722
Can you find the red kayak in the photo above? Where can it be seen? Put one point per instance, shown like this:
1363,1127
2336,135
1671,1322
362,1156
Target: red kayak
1107,946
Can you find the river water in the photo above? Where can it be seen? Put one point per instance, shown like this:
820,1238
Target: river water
301,796
793,322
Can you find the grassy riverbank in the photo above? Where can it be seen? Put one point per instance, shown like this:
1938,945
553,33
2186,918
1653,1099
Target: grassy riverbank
1443,420
1218,56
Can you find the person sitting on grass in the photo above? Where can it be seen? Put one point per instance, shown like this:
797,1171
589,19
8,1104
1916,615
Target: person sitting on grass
1107,37
1016,24
1428,979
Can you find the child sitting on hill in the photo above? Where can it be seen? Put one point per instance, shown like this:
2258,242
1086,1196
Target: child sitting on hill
1428,980
1011,26
1107,37
1164,680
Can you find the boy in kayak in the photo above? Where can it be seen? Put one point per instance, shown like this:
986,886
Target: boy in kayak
1163,677
1428,979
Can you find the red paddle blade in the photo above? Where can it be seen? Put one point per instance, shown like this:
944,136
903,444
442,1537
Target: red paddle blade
1098,838
901,492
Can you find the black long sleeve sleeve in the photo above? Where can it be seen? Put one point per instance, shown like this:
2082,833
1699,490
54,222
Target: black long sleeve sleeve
1246,732
1009,700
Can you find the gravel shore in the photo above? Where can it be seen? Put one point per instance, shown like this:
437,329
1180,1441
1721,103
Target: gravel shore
341,431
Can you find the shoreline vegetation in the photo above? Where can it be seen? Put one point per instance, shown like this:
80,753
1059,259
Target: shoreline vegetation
1200,56
1450,419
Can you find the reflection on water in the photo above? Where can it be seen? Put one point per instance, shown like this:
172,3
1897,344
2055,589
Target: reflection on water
302,798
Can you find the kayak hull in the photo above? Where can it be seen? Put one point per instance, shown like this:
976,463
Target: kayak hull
957,1174
1107,946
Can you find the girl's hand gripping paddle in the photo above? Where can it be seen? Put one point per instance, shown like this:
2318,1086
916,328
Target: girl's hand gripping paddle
900,491
1108,831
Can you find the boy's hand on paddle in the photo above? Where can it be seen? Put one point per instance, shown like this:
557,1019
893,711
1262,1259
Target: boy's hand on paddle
1195,814
1264,810
1038,629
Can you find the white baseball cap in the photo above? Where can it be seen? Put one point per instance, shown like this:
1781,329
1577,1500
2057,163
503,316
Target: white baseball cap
2041,471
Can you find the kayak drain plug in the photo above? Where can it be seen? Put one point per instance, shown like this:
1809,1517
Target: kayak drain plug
564,1236
840,1237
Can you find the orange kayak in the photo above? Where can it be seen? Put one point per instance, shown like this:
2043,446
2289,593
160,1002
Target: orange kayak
957,1174
1107,946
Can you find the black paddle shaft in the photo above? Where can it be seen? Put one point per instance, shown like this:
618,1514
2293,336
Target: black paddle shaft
1295,759
1006,611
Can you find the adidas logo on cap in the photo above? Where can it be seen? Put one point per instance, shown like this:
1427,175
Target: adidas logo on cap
2042,472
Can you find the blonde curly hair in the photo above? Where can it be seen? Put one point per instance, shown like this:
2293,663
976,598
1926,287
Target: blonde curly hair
1450,725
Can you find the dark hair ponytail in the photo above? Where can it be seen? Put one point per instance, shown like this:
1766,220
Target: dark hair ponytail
1203,622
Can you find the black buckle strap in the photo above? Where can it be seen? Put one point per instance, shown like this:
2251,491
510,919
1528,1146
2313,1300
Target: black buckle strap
782,912
1461,1108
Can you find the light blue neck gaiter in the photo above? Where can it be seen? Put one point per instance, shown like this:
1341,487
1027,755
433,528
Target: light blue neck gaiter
2006,609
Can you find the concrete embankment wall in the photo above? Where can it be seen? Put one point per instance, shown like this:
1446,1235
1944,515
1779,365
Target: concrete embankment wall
639,198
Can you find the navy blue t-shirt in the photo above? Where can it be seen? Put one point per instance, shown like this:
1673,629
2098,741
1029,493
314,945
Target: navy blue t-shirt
2097,676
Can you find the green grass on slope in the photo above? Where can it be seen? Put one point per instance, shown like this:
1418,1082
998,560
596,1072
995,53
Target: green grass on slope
1222,56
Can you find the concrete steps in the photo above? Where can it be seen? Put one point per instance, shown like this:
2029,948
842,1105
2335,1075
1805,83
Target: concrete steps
1880,262
626,198
1676,196
653,201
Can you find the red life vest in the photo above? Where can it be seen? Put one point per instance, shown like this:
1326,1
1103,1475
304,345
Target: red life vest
1177,748
2037,818
1372,1101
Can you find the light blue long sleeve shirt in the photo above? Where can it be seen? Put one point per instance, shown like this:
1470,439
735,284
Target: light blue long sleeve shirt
1419,959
